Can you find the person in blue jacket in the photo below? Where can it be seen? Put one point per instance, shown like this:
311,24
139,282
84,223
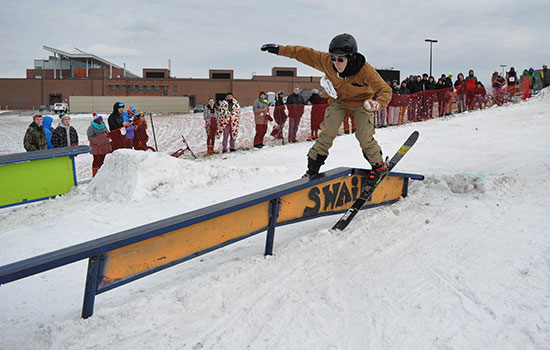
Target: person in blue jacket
47,124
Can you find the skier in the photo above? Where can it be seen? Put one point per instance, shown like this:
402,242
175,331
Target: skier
351,84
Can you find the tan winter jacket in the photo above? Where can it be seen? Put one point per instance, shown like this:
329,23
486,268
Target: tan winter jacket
353,90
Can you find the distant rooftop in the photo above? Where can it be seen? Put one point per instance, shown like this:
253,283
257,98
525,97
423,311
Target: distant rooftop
79,60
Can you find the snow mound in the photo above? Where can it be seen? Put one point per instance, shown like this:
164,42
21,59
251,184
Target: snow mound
137,175
470,183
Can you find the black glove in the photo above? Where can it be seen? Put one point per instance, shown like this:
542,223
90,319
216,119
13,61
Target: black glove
271,48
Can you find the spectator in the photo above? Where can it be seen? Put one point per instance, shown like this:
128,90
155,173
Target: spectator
512,80
448,94
528,82
116,122
129,129
441,91
64,135
35,138
228,124
349,123
99,141
393,106
479,95
318,109
545,76
279,113
499,87
211,115
140,133
460,88
404,93
260,108
423,82
295,105
48,131
471,82
430,97
414,88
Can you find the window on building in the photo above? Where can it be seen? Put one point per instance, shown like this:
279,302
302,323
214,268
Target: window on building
132,88
140,87
175,88
148,87
221,76
157,87
121,87
284,73
112,87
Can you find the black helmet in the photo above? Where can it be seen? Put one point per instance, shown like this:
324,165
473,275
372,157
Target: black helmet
342,45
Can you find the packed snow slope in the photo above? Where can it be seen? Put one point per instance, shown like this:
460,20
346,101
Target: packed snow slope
462,263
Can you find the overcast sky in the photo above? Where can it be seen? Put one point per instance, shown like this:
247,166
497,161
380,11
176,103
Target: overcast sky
202,35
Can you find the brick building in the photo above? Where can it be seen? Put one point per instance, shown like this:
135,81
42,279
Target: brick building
82,74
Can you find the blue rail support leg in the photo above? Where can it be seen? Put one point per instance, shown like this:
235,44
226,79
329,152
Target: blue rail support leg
92,277
273,214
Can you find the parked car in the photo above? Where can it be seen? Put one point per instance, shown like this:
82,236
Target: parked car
198,108
60,107
44,108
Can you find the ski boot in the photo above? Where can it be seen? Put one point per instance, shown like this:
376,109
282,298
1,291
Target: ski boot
313,166
377,171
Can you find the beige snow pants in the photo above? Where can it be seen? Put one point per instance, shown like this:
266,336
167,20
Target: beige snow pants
364,133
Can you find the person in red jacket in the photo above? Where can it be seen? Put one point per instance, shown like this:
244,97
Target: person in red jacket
471,82
479,95
280,116
460,87
318,108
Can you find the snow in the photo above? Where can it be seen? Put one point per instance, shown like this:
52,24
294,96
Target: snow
462,263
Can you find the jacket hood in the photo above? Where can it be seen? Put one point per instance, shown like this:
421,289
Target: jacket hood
47,122
115,107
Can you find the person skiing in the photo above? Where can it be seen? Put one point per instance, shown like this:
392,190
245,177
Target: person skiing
352,85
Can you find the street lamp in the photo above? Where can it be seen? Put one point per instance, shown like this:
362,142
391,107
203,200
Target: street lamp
431,41
503,66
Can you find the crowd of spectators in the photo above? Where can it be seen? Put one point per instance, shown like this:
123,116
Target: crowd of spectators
126,130
416,98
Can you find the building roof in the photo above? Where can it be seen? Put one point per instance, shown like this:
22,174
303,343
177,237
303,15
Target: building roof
84,55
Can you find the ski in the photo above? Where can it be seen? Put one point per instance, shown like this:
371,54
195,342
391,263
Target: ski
367,191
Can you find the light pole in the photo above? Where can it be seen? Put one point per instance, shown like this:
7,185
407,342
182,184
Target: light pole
503,66
431,41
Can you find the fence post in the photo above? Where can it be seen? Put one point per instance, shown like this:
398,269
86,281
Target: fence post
91,285
273,214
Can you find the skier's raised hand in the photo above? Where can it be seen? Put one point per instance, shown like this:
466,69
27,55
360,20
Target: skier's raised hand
271,48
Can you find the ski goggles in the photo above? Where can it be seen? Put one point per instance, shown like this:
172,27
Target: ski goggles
334,59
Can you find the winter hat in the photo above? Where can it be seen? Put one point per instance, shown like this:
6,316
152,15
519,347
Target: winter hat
450,74
261,92
37,115
64,115
133,110
97,118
